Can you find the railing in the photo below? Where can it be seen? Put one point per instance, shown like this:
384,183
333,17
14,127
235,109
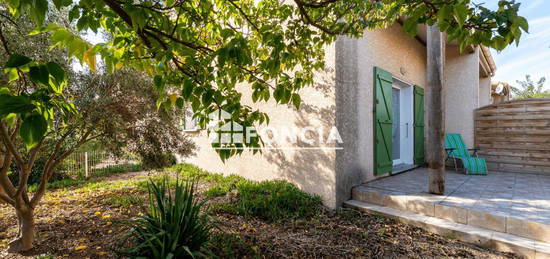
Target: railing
97,163
514,136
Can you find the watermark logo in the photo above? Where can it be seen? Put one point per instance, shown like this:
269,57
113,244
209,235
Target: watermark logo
223,131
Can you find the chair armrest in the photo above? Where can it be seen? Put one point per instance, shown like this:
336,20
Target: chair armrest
474,151
449,150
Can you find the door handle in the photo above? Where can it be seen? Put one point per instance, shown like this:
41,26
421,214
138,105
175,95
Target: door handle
407,130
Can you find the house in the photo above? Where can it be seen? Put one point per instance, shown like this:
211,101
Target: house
364,117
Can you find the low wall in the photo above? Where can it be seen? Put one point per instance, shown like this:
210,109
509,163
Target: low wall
514,136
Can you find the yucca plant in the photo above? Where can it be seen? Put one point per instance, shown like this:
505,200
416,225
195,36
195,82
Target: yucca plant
174,226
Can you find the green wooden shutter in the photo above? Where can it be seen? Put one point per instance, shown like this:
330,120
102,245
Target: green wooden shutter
383,121
418,125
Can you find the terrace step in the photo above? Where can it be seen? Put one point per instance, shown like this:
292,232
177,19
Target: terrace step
433,206
482,237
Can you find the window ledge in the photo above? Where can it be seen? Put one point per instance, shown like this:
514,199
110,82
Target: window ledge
191,130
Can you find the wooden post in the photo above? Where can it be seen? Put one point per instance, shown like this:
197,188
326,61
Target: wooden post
86,165
435,150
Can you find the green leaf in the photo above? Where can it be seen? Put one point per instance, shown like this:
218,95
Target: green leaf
444,13
17,60
33,129
14,104
43,29
187,89
207,98
74,13
461,13
38,11
410,26
11,119
179,102
296,100
58,74
40,75
522,23
159,85
61,3
82,23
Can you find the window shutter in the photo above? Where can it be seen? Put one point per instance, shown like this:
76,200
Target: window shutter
418,125
383,121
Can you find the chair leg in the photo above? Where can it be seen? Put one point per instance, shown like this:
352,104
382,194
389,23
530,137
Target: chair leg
456,167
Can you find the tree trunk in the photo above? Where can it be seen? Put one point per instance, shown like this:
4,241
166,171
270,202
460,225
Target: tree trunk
25,238
435,155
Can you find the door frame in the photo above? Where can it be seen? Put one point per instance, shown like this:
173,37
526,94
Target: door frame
406,136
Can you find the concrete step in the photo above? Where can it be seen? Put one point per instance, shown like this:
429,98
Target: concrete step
432,206
482,237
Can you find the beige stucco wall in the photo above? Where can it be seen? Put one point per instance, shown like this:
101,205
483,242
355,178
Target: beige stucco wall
390,49
484,91
311,170
343,96
461,92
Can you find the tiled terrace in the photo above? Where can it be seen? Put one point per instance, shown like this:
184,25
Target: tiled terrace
512,203
523,196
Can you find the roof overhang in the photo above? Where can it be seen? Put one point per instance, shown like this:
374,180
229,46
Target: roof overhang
487,65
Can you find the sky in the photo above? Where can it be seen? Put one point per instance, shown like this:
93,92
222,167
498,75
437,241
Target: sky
532,56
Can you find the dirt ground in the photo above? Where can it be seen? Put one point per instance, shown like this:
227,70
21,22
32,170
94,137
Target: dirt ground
80,222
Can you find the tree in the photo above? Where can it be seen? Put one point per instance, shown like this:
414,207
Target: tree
206,48
123,107
32,107
528,89
45,115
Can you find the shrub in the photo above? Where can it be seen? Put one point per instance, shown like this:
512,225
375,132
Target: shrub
157,160
36,172
174,226
272,201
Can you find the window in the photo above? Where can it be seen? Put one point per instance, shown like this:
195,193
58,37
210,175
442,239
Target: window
188,122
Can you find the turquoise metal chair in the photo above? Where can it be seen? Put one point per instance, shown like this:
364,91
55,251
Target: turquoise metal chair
457,150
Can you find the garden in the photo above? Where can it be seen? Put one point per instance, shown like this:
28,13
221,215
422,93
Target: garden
226,217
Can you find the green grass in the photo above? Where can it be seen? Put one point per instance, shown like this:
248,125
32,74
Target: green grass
269,200
126,201
226,245
224,184
94,181
116,169
273,201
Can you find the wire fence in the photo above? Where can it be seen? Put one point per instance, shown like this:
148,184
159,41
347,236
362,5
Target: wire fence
97,163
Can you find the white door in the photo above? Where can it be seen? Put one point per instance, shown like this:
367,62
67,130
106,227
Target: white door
402,128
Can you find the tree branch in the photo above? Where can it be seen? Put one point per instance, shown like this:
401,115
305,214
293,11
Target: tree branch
48,170
6,198
8,141
4,41
5,182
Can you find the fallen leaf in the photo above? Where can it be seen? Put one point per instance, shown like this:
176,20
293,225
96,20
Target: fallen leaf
78,248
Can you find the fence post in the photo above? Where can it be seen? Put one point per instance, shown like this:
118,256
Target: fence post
86,165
